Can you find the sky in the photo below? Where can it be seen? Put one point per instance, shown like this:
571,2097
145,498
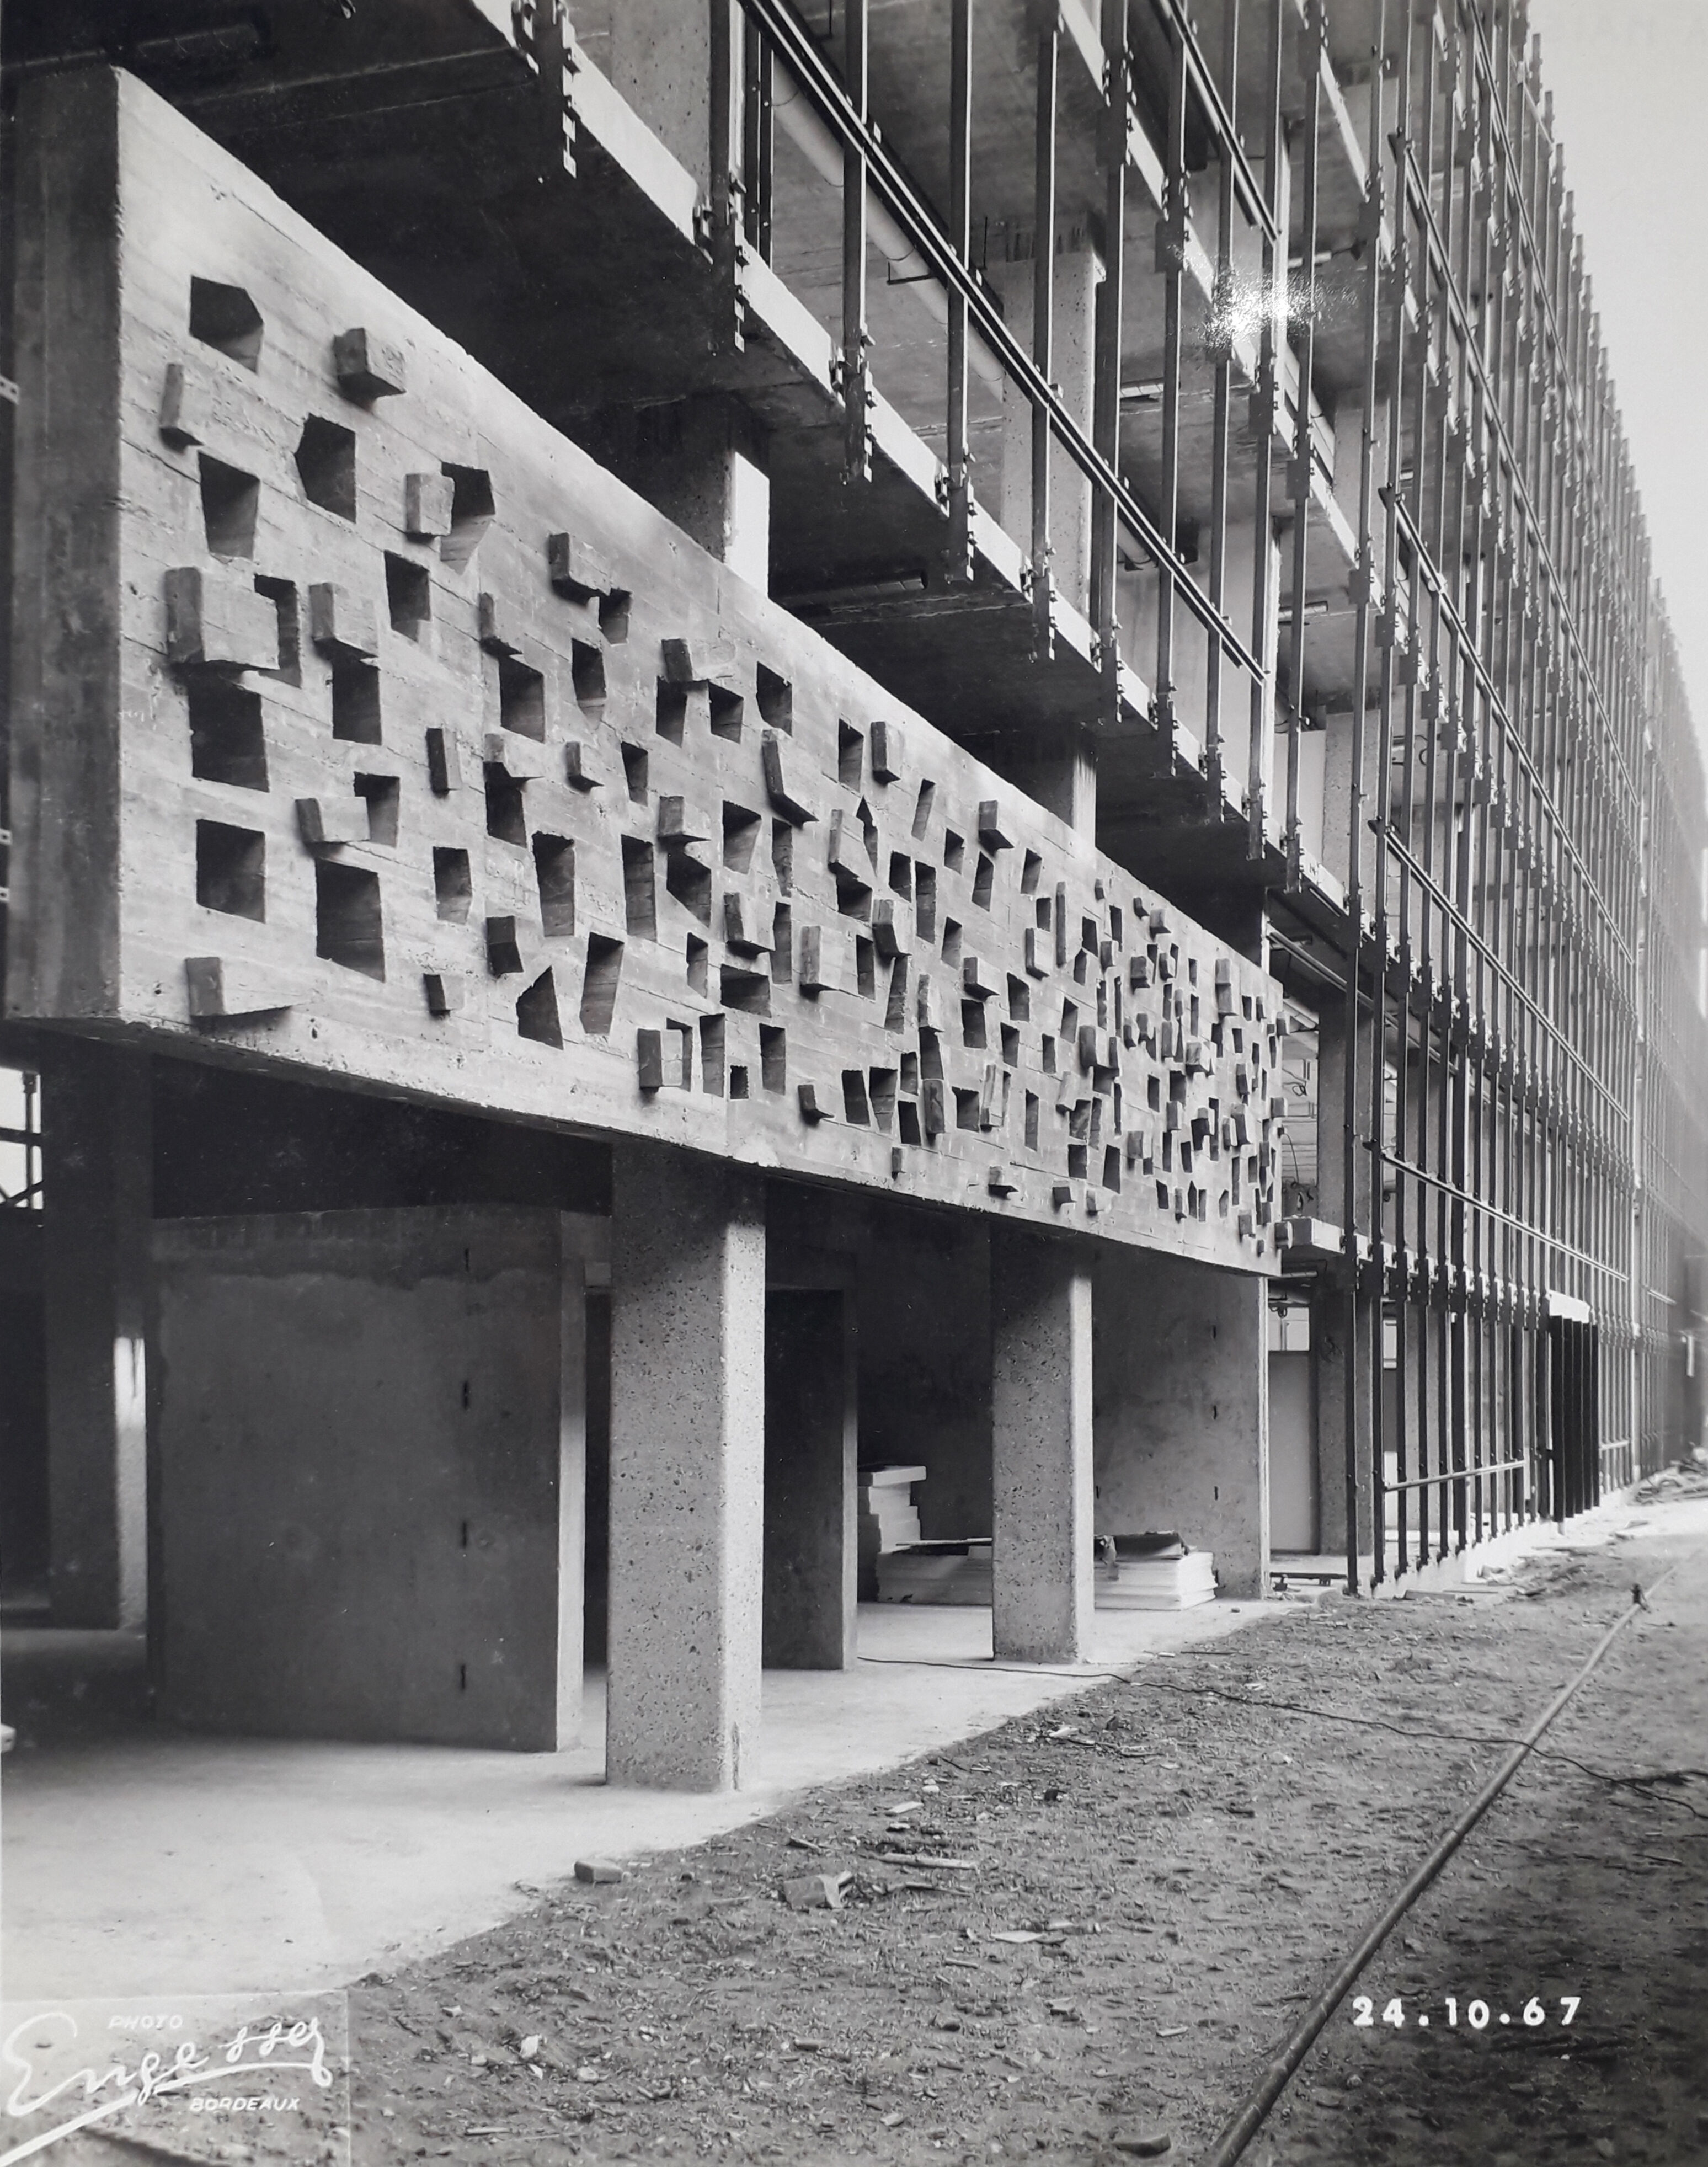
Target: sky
1629,80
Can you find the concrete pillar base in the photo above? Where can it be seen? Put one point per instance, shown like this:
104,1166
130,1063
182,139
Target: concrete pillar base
688,1428
1041,1456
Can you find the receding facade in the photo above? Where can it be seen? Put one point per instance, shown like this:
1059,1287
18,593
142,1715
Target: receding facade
749,741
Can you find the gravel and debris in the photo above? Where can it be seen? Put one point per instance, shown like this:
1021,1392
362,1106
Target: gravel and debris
1075,1938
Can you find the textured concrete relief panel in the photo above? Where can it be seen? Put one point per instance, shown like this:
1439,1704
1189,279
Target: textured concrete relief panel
447,764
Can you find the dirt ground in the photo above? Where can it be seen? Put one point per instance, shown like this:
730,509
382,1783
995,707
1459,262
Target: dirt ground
1077,1937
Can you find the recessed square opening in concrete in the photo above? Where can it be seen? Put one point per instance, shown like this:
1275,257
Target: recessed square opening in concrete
743,986
349,927
522,699
724,713
325,465
907,1121
537,1011
554,869
712,1043
773,1056
356,702
383,795
283,595
924,902
775,700
228,739
472,511
850,756
634,773
740,838
507,821
587,672
639,888
409,595
231,869
599,985
226,318
231,500
782,945
895,1004
671,711
453,886
691,884
699,965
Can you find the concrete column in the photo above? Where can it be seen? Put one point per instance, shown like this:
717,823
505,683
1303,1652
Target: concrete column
1040,1455
1182,1369
812,1436
98,1190
659,61
1339,1375
1077,273
704,462
688,1428
1348,1350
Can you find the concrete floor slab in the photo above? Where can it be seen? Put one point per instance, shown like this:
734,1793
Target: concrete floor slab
139,1860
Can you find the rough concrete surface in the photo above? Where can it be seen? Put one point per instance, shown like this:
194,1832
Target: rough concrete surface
1158,1878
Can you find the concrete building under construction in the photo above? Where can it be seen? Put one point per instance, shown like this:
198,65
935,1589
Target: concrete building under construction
750,741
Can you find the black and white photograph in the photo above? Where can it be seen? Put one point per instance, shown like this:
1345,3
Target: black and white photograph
853,1083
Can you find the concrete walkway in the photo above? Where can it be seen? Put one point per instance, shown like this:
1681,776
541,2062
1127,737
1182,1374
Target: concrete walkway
139,1860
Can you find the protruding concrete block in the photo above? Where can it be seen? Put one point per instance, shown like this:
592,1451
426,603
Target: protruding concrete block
325,823
522,760
687,1427
581,765
341,623
218,621
219,987
576,568
993,828
428,499
444,993
1041,1448
889,752
444,763
787,795
367,367
184,416
892,928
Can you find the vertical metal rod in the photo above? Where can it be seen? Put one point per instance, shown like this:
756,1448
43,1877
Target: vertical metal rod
1105,397
1263,419
1172,262
1302,309
1221,346
960,551
857,452
1358,1357
1044,309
